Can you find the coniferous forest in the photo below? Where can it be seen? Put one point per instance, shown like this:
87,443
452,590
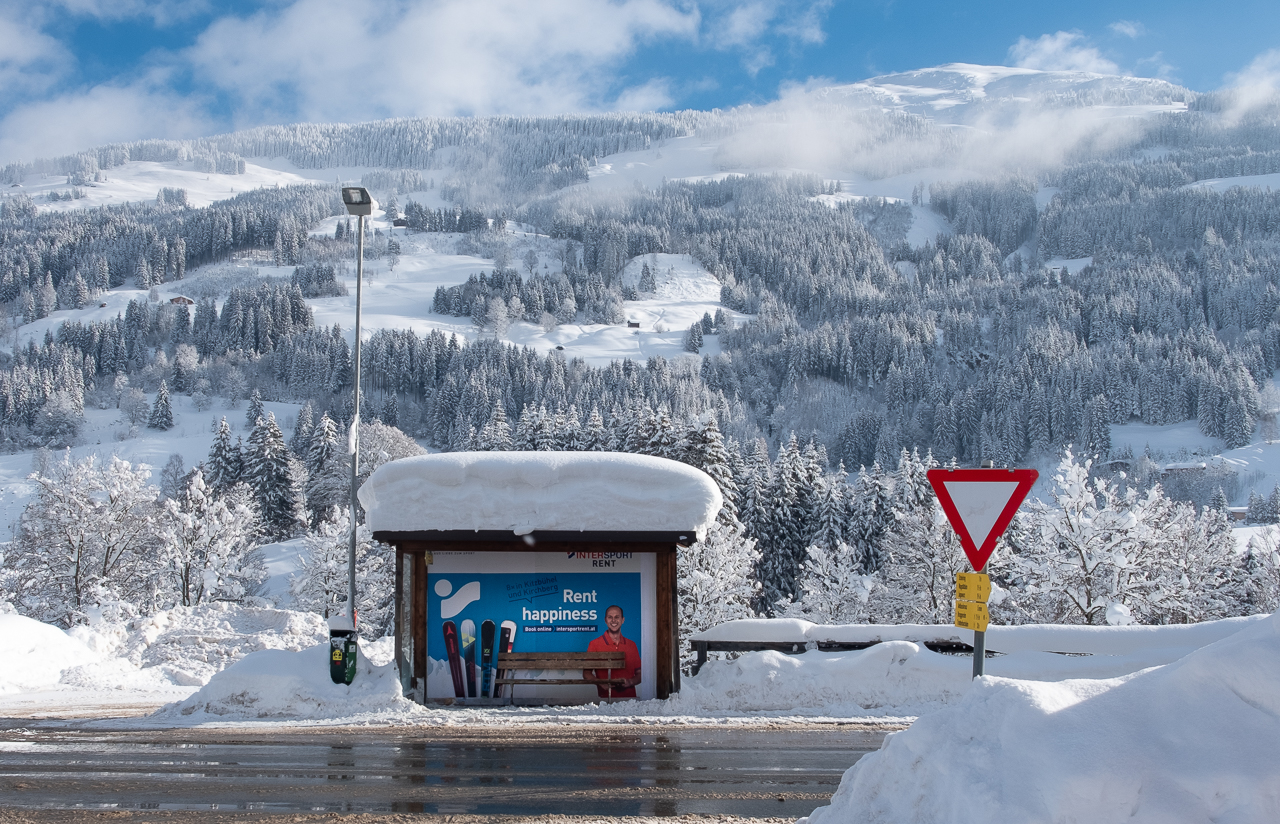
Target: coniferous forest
865,360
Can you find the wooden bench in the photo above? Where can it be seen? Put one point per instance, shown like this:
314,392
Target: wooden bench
509,662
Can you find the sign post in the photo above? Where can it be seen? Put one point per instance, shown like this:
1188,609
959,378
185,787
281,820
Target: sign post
980,504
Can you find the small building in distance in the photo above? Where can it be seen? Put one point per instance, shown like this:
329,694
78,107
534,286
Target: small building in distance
182,300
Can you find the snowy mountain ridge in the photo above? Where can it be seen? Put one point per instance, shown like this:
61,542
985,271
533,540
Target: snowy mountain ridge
957,93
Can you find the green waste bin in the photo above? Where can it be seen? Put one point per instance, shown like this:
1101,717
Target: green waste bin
343,651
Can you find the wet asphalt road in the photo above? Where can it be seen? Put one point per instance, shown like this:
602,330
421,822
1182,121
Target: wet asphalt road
612,771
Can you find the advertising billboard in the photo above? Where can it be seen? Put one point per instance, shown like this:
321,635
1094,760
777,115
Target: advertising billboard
479,603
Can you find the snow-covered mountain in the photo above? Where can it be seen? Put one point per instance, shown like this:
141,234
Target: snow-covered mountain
964,93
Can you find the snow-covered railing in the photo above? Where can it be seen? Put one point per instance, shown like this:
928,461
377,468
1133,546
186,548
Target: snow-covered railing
791,635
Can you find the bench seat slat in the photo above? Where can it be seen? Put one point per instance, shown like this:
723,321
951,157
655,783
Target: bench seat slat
604,681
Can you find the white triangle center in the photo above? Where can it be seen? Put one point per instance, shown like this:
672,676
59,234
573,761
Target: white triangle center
979,504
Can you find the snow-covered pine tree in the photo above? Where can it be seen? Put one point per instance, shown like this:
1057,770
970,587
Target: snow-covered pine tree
161,412
277,485
226,460
300,442
496,434
595,437
705,449
328,470
832,512
870,516
255,410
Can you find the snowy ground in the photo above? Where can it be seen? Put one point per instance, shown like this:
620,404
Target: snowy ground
1197,740
224,664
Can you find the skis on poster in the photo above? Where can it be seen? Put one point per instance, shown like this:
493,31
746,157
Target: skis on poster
486,659
506,638
468,632
455,660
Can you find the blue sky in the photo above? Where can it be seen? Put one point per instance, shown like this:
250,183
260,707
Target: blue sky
79,73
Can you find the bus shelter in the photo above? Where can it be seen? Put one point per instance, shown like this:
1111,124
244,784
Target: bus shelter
528,554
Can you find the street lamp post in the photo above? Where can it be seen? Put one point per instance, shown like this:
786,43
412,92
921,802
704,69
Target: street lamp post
360,204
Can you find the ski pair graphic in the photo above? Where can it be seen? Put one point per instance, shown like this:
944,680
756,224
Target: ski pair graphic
461,649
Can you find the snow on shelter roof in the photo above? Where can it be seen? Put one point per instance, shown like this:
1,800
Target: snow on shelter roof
523,492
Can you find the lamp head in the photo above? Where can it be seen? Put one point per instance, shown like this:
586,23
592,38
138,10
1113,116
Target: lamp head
357,200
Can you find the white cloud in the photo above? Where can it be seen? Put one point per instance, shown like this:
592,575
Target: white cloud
742,25
1065,51
1256,85
30,61
805,25
331,59
647,97
1128,28
105,114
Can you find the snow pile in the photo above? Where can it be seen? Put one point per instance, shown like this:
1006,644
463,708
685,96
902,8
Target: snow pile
185,646
294,685
1063,638
895,674
36,654
522,492
1197,740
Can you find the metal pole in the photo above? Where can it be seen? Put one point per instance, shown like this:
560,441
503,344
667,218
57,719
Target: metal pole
354,436
979,653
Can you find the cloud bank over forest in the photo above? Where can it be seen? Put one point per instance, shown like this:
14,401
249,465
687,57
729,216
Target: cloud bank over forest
191,67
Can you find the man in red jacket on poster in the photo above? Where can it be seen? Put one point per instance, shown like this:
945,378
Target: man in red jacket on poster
625,680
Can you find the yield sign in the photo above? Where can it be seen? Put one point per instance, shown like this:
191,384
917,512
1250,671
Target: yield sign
980,503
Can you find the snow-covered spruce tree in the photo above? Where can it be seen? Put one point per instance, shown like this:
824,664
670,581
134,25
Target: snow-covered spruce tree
496,434
300,441
89,536
276,479
255,409
870,516
161,411
208,544
705,449
716,582
328,470
693,338
1261,565
321,583
226,460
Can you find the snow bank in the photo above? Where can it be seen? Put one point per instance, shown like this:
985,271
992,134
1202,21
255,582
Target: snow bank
291,685
1197,740
36,654
1125,640
895,674
526,491
185,646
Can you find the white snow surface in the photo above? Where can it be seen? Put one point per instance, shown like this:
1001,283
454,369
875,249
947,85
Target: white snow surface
37,654
526,491
229,664
292,684
1195,741
1059,638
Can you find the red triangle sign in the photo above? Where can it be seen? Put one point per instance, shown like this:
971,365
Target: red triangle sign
980,503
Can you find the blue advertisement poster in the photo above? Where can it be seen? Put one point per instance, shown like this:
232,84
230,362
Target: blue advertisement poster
540,611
